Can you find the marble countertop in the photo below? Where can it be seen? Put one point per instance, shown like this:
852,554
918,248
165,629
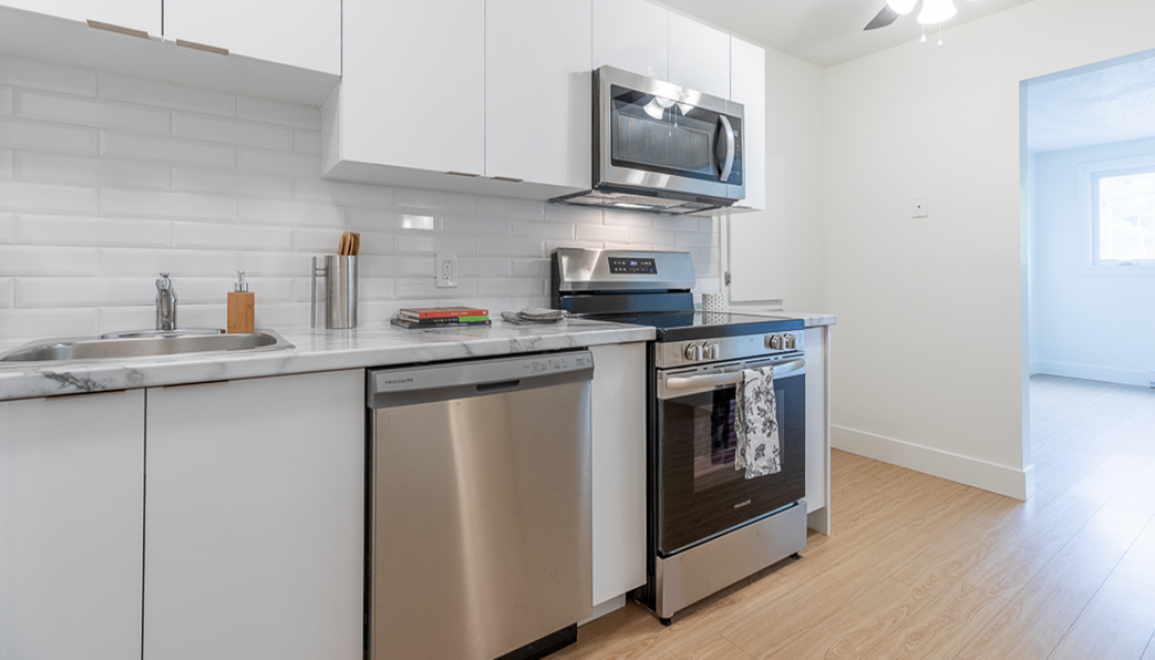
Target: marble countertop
315,350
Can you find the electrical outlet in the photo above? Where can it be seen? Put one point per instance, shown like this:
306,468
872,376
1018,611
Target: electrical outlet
921,207
446,265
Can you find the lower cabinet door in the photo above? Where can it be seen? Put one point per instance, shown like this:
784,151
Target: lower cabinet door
71,509
619,469
254,519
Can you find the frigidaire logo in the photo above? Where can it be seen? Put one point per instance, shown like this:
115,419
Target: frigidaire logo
397,381
742,504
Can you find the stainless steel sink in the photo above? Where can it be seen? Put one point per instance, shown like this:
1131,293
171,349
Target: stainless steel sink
144,344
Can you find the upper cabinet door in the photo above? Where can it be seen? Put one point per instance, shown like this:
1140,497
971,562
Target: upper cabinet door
699,57
633,35
537,91
413,85
305,34
143,15
748,87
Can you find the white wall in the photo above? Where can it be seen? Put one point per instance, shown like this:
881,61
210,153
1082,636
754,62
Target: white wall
1098,325
930,352
106,180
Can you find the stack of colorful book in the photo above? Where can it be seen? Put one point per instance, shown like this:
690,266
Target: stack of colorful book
442,317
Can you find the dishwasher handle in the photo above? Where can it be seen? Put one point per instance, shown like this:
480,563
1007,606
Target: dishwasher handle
388,388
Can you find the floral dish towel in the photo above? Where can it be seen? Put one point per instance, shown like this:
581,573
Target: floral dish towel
759,452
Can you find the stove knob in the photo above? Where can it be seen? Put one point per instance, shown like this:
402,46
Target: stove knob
774,342
710,351
693,352
791,342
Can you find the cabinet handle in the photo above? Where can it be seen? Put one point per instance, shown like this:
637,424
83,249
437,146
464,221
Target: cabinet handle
507,178
185,386
468,174
61,397
206,48
119,29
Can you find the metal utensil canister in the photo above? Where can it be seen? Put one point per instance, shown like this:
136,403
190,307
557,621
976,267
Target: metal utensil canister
340,273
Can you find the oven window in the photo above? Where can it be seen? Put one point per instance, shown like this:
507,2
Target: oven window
716,437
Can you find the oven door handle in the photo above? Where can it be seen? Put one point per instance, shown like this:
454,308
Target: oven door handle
710,381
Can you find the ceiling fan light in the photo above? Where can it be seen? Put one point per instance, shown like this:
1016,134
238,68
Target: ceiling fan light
902,6
936,11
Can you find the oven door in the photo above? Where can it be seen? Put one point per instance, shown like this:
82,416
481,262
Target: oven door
700,494
657,135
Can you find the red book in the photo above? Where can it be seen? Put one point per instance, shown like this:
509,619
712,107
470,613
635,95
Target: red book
442,312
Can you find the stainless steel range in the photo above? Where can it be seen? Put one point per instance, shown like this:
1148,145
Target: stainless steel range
709,526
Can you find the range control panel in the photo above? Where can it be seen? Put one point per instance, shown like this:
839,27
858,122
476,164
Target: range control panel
673,354
632,266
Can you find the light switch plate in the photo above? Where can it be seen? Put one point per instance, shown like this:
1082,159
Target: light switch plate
446,271
920,208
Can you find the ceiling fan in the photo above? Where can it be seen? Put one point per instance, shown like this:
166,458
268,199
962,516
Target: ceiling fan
933,11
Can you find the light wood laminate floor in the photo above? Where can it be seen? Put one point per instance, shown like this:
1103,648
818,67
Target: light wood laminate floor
920,567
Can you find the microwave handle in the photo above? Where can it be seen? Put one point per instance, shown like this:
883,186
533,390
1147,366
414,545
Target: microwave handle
728,163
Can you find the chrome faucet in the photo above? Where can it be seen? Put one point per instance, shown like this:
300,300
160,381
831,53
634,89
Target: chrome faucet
165,304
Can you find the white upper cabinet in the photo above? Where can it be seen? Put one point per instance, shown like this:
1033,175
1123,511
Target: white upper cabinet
699,57
633,35
143,15
413,86
72,526
305,33
537,91
748,87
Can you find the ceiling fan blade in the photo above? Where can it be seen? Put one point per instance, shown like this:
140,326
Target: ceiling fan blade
884,18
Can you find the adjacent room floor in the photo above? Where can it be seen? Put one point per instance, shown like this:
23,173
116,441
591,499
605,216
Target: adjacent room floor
920,567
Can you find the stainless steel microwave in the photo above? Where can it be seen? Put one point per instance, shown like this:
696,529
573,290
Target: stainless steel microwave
662,148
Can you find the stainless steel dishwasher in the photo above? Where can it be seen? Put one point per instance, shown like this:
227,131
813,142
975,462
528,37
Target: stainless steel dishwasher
480,537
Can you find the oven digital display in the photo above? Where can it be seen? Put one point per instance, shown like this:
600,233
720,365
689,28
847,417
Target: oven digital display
624,266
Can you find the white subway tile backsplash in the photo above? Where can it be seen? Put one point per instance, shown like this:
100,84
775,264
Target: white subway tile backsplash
20,196
276,162
343,194
603,233
90,112
146,263
555,230
48,137
110,232
278,112
230,236
39,323
52,168
278,212
142,204
168,95
307,142
201,183
366,220
409,244
501,246
188,179
433,200
166,149
43,75
26,260
231,131
483,267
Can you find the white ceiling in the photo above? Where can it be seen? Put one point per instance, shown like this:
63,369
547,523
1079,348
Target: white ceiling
1106,103
825,32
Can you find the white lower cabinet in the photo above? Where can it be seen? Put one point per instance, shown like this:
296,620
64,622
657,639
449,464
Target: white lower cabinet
818,429
71,508
619,469
254,522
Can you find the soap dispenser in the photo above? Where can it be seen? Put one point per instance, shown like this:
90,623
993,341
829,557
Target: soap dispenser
242,303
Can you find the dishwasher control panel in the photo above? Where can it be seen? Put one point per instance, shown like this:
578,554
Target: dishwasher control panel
546,365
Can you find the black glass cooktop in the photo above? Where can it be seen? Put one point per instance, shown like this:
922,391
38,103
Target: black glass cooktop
692,325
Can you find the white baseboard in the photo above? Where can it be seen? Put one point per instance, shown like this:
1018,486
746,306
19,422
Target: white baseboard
1093,372
1035,368
1012,482
602,609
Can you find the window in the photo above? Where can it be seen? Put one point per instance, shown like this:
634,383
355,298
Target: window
1123,217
